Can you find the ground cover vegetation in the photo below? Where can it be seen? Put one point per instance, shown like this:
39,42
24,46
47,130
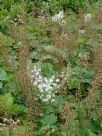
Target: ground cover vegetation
50,68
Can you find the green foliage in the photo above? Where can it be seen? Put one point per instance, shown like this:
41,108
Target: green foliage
49,120
47,69
3,75
8,106
81,75
80,79
69,111
68,5
18,130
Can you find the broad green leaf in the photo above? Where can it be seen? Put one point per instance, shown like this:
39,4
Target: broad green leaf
100,134
47,69
7,105
90,133
7,99
49,120
3,75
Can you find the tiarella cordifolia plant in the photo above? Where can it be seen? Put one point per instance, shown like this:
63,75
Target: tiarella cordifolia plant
48,87
58,18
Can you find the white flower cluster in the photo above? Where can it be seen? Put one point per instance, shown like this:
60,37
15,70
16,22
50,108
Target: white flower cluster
58,17
48,87
88,17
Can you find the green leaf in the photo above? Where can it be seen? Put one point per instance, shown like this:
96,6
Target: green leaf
3,75
100,134
7,105
47,69
49,120
7,99
90,133
16,109
1,85
87,73
101,124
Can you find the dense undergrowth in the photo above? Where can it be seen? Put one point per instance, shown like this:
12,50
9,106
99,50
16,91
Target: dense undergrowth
50,68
